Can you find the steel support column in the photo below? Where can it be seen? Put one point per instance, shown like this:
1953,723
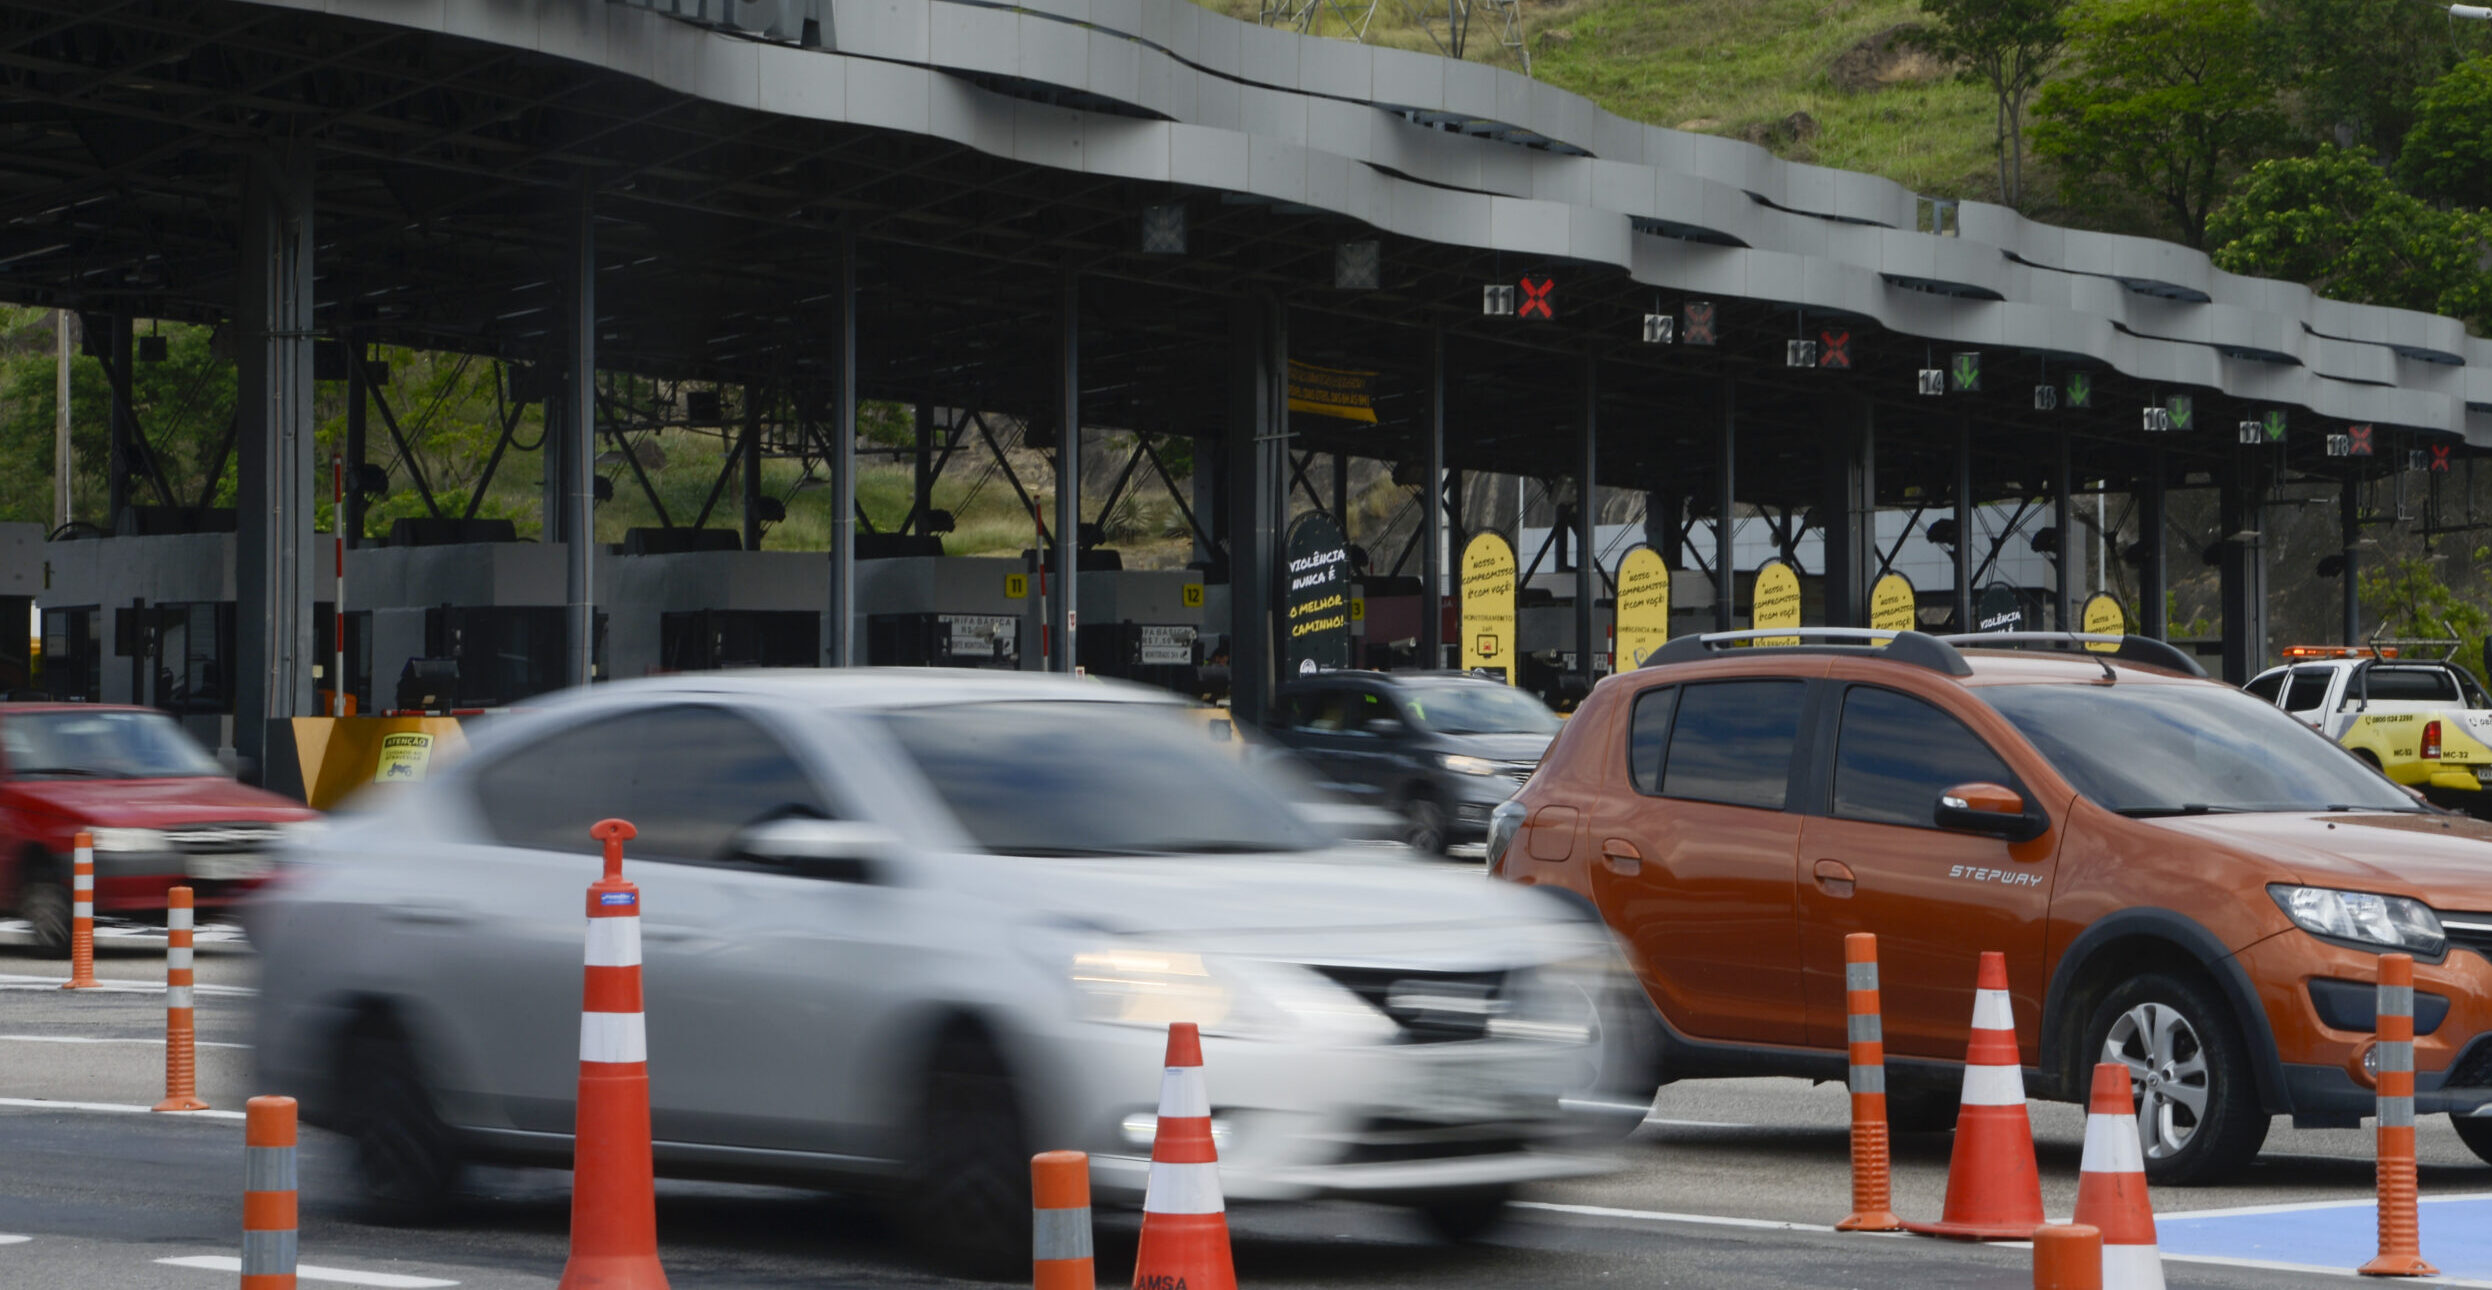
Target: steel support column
749,467
1257,428
1850,511
1432,514
122,421
839,642
273,440
2349,522
1063,607
1725,487
1587,515
2243,566
2154,613
921,473
2063,520
579,455
1965,555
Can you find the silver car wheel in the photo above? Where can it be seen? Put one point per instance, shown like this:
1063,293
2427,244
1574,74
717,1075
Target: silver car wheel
2167,1075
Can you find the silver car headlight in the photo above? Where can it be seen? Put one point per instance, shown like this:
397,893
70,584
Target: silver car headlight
1146,987
1466,764
1558,1002
130,840
2366,918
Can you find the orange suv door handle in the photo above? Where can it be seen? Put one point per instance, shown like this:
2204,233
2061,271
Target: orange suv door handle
1836,878
1621,857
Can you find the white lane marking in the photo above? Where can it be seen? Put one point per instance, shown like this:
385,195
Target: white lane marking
116,1108
2301,1206
1696,1124
307,1272
2310,1269
15,1240
203,934
86,1039
20,981
1659,1216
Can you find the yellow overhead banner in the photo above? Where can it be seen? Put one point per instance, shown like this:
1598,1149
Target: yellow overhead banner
1893,604
2104,617
1488,604
1776,603
1643,622
1332,392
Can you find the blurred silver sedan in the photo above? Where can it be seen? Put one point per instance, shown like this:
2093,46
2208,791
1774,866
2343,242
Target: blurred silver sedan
905,928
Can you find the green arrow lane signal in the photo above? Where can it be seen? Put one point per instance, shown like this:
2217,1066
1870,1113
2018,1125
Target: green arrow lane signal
2080,390
1967,372
2275,427
2178,405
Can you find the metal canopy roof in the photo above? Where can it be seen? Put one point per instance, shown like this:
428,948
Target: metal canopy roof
452,142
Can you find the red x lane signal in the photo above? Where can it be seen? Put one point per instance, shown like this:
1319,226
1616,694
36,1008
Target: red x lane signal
1538,299
2358,441
2440,456
1834,350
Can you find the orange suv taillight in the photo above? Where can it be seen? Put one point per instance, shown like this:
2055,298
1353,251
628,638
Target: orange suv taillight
2431,740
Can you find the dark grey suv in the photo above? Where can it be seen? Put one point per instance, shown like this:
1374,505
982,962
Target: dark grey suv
1440,748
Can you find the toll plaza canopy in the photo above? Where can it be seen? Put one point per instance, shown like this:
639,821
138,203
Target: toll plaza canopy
1139,214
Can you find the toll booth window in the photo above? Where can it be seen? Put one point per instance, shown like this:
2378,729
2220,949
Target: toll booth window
1731,742
1094,779
690,778
1648,736
1894,755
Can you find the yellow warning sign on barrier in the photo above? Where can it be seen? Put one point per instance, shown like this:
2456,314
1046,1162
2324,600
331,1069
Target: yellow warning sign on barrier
404,758
340,756
1894,606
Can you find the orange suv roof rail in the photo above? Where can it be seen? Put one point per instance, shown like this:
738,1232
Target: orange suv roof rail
1914,648
2127,649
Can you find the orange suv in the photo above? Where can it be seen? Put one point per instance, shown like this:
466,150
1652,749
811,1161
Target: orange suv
2183,878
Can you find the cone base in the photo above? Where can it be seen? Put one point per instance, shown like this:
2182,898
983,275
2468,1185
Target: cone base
2017,1231
2398,1265
89,984
1871,1221
613,1272
181,1104
1184,1252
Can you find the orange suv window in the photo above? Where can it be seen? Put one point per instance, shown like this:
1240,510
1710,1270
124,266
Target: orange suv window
1648,734
1895,754
1731,742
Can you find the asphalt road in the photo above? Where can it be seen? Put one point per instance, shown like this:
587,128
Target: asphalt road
1729,1185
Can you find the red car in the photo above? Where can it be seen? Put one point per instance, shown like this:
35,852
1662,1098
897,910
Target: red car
163,812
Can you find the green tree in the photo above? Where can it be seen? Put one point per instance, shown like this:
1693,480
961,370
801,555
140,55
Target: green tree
2335,221
2167,101
2448,154
2007,45
2360,65
2408,598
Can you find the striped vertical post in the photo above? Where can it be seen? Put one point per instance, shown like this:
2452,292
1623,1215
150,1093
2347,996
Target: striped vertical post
1873,1199
268,1194
82,913
614,1218
2400,1224
337,607
1060,1221
181,1030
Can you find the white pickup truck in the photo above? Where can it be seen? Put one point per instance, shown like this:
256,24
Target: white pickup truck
2424,722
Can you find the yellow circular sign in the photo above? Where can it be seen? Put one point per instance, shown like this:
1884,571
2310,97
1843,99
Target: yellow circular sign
2103,616
1643,606
1777,602
1893,604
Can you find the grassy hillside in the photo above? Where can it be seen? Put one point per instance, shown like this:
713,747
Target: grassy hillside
1814,80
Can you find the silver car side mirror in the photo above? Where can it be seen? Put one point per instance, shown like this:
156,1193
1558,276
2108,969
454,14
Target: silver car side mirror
836,850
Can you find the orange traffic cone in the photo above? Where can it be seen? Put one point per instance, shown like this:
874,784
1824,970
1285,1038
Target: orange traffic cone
614,1219
1994,1191
2111,1185
1185,1228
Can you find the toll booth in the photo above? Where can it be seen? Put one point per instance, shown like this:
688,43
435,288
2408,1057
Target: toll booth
145,618
1136,625
948,611
494,608
693,604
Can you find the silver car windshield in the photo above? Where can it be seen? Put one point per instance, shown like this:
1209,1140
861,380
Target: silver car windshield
1478,708
2148,750
1056,778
